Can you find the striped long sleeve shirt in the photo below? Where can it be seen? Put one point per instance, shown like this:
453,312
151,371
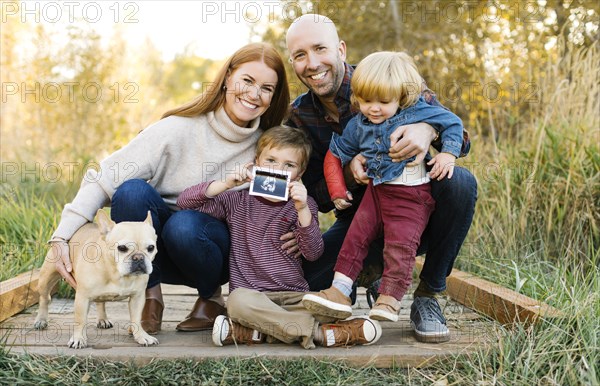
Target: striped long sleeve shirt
256,260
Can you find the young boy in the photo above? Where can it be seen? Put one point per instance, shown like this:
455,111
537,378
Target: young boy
387,89
266,283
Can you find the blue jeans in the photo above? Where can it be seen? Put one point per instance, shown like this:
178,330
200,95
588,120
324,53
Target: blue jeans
193,247
446,231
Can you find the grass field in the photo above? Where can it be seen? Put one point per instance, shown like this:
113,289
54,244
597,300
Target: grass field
536,230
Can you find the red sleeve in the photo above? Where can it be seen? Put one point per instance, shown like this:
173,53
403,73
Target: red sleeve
334,175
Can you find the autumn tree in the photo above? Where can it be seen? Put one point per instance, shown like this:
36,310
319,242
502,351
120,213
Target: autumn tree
482,58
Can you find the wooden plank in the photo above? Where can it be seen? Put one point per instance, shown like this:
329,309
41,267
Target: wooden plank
18,293
397,348
500,303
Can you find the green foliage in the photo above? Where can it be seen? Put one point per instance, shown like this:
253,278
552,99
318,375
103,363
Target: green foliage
29,214
79,101
561,351
26,222
480,57
539,194
231,371
188,75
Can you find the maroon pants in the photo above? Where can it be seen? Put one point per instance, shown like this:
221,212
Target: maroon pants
399,212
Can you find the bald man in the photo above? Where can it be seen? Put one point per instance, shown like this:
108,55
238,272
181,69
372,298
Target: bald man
318,58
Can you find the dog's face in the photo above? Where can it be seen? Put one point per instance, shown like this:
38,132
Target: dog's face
132,245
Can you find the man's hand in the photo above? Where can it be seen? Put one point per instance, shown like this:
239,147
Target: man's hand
60,249
357,168
290,246
443,165
411,140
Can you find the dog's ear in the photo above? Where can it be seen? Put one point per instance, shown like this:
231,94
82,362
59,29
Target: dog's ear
104,222
148,219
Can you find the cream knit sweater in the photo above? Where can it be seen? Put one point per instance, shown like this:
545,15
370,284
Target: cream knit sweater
172,154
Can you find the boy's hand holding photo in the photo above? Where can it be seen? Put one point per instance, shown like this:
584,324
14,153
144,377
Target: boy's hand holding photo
443,164
299,195
239,177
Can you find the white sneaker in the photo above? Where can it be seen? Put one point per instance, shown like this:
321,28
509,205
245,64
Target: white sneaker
226,332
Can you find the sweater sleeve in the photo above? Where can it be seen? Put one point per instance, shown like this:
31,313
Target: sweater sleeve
334,175
310,240
195,198
138,159
90,197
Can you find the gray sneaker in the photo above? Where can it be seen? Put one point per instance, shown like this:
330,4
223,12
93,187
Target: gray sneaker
427,320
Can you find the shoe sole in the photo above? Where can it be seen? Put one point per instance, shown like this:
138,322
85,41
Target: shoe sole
323,307
375,334
220,321
378,332
383,316
431,337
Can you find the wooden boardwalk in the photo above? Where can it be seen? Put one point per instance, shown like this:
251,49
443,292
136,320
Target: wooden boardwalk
397,347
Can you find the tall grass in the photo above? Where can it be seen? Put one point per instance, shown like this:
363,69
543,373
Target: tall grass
536,230
539,193
29,213
26,221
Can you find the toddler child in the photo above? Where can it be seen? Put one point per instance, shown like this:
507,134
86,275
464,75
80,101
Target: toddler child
387,88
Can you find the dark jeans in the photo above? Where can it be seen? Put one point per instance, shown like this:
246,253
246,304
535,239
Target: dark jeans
193,247
447,228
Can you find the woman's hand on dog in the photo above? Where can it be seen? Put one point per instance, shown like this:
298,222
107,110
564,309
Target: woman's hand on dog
60,248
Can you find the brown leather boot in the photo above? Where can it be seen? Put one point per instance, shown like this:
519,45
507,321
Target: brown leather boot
153,310
202,317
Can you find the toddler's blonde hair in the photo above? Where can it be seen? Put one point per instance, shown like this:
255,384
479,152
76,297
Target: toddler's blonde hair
387,75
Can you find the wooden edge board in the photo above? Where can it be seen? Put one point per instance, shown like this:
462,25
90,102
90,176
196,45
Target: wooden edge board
493,300
18,293
387,360
500,303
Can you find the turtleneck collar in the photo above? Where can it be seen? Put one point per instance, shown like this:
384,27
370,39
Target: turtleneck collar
224,126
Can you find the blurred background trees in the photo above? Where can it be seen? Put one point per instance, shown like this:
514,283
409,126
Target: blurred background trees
484,59
74,96
67,97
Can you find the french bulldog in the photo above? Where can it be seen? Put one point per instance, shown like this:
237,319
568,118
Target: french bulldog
111,262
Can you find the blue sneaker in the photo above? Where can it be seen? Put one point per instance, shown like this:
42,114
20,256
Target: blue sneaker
427,320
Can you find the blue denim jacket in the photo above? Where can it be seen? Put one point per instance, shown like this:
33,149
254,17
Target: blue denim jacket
373,140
